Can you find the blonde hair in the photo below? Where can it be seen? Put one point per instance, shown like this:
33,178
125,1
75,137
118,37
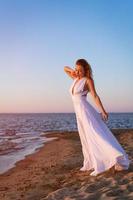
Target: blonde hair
86,66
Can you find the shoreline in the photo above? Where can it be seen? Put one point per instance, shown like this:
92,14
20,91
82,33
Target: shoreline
28,155
54,169
11,161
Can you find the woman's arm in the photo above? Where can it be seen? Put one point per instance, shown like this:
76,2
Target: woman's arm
96,98
71,72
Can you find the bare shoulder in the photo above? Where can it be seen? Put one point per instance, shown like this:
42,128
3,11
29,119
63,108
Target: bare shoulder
89,80
90,84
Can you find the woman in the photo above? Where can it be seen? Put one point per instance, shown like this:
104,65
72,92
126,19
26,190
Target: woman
100,148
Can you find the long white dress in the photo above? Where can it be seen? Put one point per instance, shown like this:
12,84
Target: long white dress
100,148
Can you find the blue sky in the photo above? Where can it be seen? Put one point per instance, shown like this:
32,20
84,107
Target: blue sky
39,37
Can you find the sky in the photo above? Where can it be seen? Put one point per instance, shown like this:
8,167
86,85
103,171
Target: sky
39,37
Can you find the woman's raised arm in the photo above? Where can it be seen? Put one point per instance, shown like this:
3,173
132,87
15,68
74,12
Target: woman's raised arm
70,72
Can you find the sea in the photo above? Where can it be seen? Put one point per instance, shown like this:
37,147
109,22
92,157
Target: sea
22,134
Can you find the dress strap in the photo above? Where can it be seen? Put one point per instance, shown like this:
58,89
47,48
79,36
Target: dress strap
83,84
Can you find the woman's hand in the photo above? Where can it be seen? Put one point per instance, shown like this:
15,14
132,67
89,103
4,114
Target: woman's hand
73,73
104,115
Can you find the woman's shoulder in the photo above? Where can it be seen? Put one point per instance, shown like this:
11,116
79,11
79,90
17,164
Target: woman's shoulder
89,79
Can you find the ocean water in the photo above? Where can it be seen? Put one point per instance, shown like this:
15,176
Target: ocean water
22,134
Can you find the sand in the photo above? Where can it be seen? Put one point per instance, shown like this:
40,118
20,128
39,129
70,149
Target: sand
53,173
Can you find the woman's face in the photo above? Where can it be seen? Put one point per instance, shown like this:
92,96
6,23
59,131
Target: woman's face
79,71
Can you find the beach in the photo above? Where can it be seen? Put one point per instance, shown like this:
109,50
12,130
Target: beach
53,173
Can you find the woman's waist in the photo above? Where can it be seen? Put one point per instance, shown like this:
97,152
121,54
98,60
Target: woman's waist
79,98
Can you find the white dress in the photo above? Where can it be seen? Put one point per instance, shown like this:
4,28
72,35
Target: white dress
100,148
